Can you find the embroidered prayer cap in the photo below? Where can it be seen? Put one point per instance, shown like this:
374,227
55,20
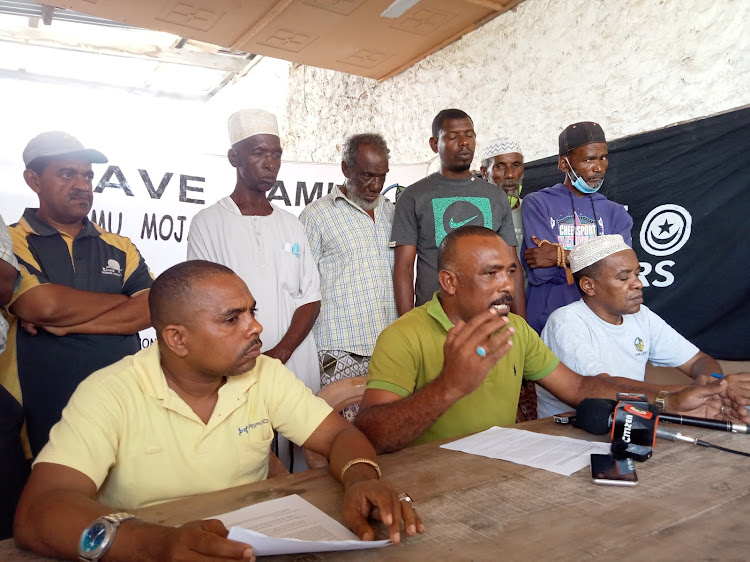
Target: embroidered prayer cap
59,143
579,134
594,249
500,146
246,123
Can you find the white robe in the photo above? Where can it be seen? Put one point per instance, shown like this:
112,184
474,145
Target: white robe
254,248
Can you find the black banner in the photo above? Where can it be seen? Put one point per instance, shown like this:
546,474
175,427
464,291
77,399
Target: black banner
687,188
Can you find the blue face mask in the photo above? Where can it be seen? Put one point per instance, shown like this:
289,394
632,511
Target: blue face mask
579,183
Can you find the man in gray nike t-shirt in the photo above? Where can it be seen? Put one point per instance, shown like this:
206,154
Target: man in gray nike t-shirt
440,203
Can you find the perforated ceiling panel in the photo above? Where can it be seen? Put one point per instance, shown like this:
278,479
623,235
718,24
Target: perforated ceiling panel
345,35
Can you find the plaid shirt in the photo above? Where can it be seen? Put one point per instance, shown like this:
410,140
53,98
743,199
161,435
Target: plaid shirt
6,254
356,271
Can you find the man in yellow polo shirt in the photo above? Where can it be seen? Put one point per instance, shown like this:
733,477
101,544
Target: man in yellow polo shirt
454,365
194,414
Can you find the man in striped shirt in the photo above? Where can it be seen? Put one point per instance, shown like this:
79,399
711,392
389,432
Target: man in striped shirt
349,233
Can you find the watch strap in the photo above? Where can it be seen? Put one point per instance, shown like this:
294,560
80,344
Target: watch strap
114,519
661,401
119,517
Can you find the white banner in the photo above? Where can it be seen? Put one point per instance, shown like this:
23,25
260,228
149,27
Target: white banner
153,204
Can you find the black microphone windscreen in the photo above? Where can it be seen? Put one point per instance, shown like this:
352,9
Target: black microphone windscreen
593,415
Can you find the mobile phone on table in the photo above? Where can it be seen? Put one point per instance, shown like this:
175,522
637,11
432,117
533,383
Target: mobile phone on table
609,471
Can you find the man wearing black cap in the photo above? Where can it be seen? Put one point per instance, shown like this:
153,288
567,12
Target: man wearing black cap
83,293
557,218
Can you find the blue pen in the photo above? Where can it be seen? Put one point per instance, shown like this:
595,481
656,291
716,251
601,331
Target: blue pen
718,376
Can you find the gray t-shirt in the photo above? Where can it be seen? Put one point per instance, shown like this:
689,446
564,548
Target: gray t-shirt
435,206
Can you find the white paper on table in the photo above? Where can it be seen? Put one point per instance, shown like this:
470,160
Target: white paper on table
291,525
562,455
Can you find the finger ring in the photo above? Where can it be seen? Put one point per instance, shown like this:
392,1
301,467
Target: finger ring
481,351
405,497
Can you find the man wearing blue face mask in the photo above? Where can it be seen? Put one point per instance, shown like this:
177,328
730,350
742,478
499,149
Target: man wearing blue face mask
557,218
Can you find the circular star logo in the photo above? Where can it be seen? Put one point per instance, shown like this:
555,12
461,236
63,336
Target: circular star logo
666,230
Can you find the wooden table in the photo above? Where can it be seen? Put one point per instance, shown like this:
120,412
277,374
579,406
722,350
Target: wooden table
692,503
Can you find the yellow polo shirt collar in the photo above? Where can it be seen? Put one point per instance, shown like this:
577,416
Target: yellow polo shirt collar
141,444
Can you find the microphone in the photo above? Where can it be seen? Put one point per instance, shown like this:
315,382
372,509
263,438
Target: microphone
594,409
705,423
595,415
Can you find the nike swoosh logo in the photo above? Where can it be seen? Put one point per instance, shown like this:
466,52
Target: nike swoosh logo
460,224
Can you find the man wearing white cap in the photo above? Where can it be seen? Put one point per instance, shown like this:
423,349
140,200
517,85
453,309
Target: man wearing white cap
84,291
265,245
610,330
502,165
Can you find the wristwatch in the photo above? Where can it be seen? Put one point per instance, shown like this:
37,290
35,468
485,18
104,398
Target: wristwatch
661,401
97,537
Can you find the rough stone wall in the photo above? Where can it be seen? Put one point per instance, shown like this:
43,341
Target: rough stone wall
265,86
632,65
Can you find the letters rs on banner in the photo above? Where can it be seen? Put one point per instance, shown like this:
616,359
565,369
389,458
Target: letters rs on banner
153,202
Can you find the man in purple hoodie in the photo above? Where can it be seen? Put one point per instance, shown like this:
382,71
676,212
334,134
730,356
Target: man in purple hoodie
557,218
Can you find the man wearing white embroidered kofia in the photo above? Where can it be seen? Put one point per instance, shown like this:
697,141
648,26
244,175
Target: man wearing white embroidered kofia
265,245
611,331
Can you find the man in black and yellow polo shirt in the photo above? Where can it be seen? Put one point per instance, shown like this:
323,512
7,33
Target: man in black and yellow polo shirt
84,291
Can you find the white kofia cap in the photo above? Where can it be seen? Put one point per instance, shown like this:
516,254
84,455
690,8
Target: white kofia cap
497,147
246,123
595,249
59,143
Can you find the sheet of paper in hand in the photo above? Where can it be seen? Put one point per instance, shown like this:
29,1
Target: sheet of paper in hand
291,525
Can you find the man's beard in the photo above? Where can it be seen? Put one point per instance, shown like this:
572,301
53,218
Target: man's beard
364,204
460,167
516,185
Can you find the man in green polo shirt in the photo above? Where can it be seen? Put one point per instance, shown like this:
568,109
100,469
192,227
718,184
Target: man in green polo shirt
454,365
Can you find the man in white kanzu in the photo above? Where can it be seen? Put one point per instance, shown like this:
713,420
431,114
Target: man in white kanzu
611,331
266,246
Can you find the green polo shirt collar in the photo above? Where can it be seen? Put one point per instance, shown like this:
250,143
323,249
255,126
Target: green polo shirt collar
435,309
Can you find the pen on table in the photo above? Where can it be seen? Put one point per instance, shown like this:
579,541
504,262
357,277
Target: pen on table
720,376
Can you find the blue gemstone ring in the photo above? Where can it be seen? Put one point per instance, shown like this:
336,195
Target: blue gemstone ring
481,351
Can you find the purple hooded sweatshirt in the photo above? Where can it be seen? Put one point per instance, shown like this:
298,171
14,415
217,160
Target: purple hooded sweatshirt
555,214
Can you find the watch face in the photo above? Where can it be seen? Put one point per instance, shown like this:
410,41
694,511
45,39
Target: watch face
93,537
